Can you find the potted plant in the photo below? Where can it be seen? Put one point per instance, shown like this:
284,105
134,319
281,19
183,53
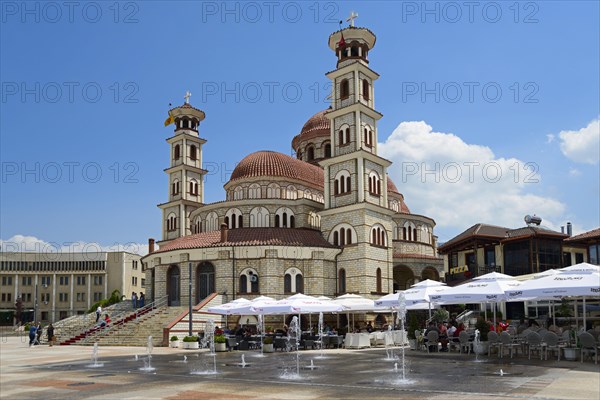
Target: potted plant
191,342
220,343
481,346
413,325
268,344
440,315
174,342
573,348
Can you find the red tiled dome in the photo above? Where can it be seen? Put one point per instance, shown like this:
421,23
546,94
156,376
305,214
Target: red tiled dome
317,126
271,163
391,187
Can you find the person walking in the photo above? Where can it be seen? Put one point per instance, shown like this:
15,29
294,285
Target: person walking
32,332
50,332
98,312
142,300
39,332
134,299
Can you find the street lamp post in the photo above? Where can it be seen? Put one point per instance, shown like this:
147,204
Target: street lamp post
190,302
35,304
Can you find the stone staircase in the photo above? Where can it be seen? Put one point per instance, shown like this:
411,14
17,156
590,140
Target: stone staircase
180,326
136,331
72,326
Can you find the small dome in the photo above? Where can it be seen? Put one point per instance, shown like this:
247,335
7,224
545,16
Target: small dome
271,163
393,190
317,126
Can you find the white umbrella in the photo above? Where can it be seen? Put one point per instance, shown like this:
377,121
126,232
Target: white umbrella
295,306
227,308
564,284
488,288
417,297
581,267
354,303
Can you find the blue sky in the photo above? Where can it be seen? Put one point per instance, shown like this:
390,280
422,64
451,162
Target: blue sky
85,92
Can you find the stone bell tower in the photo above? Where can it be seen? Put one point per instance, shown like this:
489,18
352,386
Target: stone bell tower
356,216
186,176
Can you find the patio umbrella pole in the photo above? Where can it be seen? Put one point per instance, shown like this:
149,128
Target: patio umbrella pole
494,305
584,322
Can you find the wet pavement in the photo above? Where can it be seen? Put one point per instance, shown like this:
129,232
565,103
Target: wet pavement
67,372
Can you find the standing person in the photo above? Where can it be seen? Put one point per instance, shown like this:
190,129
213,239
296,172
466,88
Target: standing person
32,331
142,299
50,332
39,332
134,299
98,312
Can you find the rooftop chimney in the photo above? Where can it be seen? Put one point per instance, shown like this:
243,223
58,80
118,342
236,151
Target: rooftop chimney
150,246
569,229
224,231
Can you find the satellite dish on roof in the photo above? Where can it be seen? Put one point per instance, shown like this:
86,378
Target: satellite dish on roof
535,220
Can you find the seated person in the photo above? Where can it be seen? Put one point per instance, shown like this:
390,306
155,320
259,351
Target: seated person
459,329
369,328
443,336
522,326
104,322
451,329
431,327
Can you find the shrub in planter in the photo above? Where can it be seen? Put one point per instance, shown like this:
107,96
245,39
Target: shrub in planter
220,343
174,341
268,340
268,345
174,338
484,328
191,342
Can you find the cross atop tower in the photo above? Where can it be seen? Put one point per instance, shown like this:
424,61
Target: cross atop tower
187,97
351,18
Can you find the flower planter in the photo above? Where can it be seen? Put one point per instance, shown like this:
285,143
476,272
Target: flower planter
191,345
175,344
413,344
220,346
268,348
571,353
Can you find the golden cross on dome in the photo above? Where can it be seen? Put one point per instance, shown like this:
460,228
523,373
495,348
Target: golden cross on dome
187,97
351,18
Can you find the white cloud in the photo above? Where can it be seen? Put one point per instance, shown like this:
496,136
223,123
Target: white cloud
550,138
582,146
21,243
574,172
459,184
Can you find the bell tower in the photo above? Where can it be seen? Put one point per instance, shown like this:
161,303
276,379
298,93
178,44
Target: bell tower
186,176
356,215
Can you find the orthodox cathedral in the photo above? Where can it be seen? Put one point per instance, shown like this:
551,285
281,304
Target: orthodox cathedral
327,222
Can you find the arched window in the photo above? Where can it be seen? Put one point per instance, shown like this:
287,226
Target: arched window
212,222
378,280
344,89
233,218
328,150
409,231
347,135
194,187
365,89
240,221
273,191
291,192
342,182
259,217
172,222
193,153
249,281
374,183
341,281
307,194
293,281
284,218
238,193
378,236
354,51
341,140
342,235
310,154
287,283
175,187
176,152
254,191
394,205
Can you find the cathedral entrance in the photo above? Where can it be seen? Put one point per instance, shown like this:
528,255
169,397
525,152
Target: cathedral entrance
173,287
403,277
430,273
205,280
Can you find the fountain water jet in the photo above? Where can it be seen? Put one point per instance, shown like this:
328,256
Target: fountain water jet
293,335
208,341
95,363
148,360
401,318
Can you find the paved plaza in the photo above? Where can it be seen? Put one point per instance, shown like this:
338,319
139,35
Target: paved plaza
65,372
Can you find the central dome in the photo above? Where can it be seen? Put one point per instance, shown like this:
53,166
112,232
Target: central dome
317,126
274,164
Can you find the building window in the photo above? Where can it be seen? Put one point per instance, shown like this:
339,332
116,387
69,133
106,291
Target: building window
254,191
365,89
176,152
212,222
63,297
342,281
26,281
310,154
81,280
6,280
378,236
175,187
134,280
249,281
374,184
328,150
284,218
378,280
171,223
63,280
594,252
344,89
273,191
293,281
194,187
143,282
342,183
97,280
259,217
238,193
287,283
342,235
193,153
